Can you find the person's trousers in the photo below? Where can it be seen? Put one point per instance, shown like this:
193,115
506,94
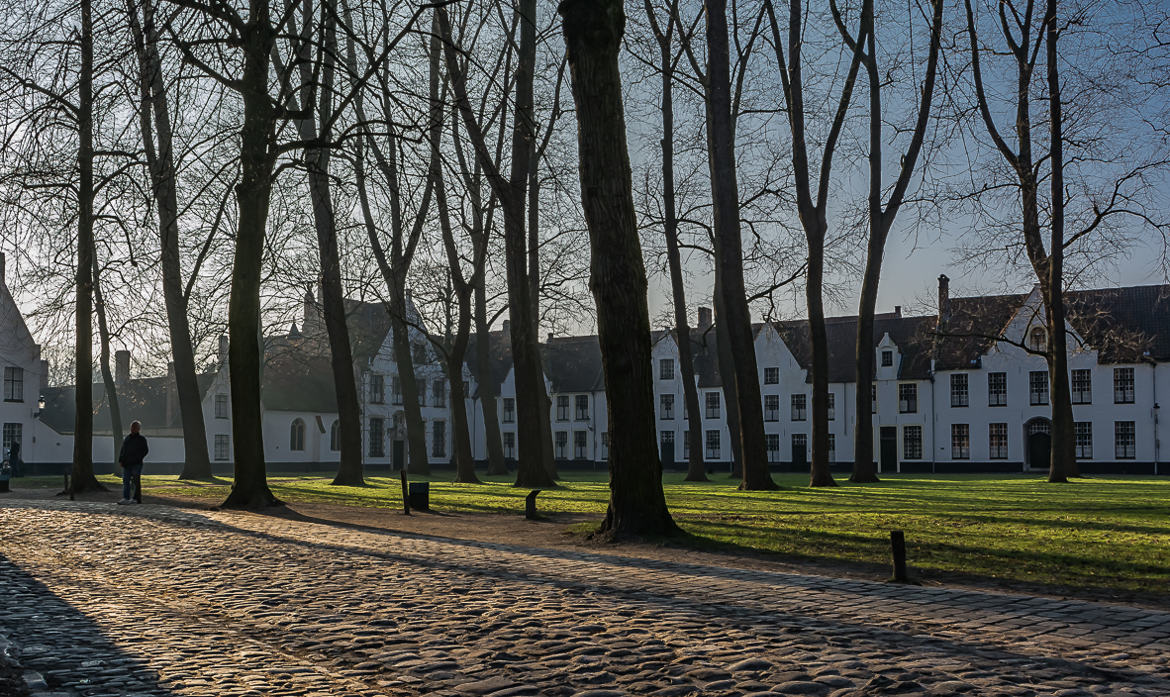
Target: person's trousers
130,482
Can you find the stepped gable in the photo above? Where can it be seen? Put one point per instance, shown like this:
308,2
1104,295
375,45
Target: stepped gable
140,399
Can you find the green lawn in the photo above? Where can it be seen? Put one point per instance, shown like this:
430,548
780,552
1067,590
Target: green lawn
1093,533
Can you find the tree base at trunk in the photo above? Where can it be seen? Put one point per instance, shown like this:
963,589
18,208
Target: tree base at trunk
822,480
1057,479
766,485
348,480
84,486
257,498
697,477
640,529
866,478
467,479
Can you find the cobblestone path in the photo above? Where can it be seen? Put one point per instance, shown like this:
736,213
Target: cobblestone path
152,600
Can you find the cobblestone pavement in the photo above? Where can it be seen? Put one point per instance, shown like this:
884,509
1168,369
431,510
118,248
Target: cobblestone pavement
153,600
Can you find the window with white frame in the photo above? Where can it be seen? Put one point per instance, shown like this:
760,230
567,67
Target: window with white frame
1124,440
579,444
873,399
912,442
799,407
832,447
997,442
887,359
581,403
1038,339
771,376
221,406
439,438
713,450
1123,385
296,436
395,390
605,446
959,389
561,440
772,446
712,405
960,441
335,435
666,406
439,392
509,444
997,389
771,407
13,434
377,389
666,369
509,415
221,446
562,407
907,398
1038,387
377,438
1082,386
1084,436
832,399
13,384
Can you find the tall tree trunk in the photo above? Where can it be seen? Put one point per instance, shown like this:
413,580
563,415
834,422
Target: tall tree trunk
487,388
819,473
196,463
82,477
250,484
417,461
726,361
107,376
729,253
637,506
349,470
1063,451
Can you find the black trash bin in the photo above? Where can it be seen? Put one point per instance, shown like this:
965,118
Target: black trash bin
420,496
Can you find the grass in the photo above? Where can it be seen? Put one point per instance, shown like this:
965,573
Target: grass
1103,534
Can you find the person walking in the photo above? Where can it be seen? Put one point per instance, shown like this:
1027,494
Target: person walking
134,450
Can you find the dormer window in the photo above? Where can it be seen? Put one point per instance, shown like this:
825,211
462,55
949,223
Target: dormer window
887,358
1038,339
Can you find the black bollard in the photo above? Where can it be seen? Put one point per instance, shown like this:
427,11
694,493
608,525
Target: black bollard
530,505
898,549
405,492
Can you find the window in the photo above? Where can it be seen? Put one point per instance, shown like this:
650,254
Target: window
832,406
799,407
997,441
509,444
421,388
13,384
296,436
439,438
686,445
582,410
562,443
1038,387
712,405
12,435
221,406
439,392
1084,436
579,444
1038,339
799,445
666,444
958,389
377,389
605,446
562,407
772,446
1122,386
771,407
377,435
771,376
908,398
335,435
509,410
395,391
419,352
1124,440
666,369
887,359
832,447
1082,387
960,442
712,445
997,389
222,444
912,442
666,406
873,399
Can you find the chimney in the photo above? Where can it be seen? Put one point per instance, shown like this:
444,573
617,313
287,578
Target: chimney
172,393
223,349
121,367
507,329
310,308
944,297
898,311
550,337
704,318
2,264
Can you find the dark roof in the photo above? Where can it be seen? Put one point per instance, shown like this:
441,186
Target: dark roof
141,399
913,336
368,325
296,379
971,328
499,358
573,364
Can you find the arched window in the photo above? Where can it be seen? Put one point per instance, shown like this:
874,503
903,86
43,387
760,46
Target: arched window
296,436
335,435
1038,339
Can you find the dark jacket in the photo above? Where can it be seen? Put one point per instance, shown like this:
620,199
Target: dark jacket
134,450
